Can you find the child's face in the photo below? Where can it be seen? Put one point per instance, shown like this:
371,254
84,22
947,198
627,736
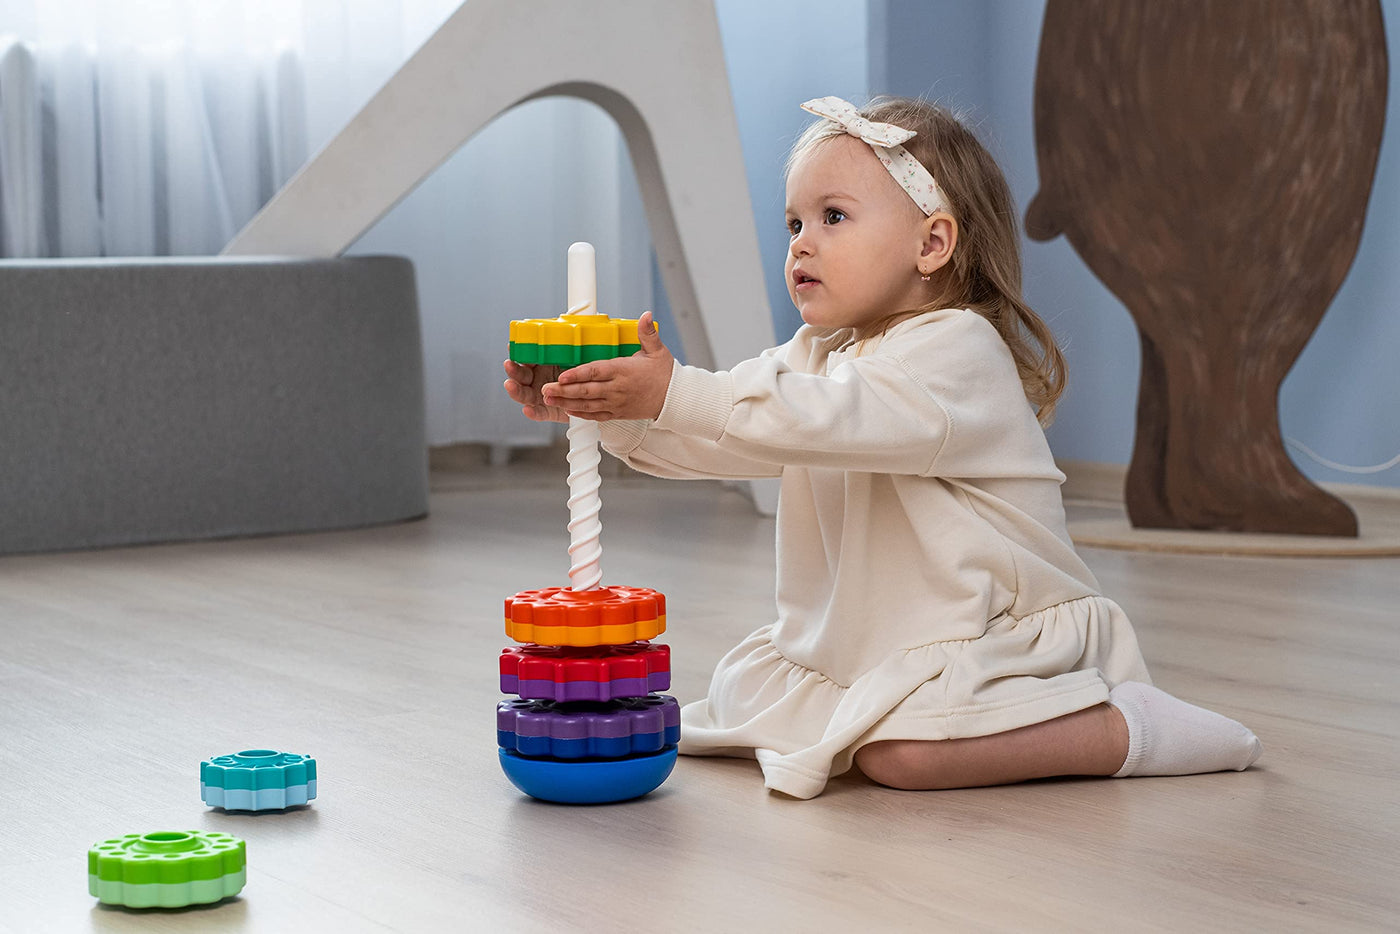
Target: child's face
856,238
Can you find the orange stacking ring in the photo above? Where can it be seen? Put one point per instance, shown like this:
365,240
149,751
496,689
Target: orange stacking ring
603,616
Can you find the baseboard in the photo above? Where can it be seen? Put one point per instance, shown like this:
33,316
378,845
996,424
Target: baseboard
1101,482
1092,481
1093,493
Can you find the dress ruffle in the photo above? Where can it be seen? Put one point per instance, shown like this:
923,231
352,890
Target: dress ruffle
804,728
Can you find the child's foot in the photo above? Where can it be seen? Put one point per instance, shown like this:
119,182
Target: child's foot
1167,736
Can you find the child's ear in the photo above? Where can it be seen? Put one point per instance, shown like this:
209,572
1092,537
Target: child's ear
940,239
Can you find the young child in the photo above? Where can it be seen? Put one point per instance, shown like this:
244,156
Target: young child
935,626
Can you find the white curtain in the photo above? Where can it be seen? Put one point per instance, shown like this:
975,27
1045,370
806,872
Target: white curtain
160,126
144,127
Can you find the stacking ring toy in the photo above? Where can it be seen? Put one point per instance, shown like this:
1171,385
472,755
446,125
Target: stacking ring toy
600,782
257,780
604,673
167,869
588,726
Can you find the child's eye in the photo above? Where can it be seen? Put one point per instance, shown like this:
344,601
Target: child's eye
794,227
834,216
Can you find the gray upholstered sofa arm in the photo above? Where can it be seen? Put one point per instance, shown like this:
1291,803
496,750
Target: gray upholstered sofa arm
146,400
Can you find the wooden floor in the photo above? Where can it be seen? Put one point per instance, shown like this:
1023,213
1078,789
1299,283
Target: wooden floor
375,651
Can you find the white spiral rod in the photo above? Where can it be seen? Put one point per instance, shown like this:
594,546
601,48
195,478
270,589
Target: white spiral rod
585,528
583,279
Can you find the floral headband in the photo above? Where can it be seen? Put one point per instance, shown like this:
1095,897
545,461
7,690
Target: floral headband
885,139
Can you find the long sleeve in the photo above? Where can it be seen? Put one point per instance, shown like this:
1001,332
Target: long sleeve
650,447
939,396
661,453
871,414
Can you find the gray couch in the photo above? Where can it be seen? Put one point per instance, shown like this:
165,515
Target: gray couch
150,400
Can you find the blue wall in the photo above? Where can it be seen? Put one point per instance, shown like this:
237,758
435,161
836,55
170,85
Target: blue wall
780,54
1342,398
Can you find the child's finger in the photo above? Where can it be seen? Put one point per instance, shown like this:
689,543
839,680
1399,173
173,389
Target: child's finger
564,391
580,406
530,374
544,413
521,394
577,390
599,416
648,335
599,371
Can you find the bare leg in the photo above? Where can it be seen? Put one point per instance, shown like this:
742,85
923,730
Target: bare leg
1086,742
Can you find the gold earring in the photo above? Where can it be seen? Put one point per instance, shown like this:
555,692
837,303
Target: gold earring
927,277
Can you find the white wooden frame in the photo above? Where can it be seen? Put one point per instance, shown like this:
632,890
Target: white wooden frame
656,67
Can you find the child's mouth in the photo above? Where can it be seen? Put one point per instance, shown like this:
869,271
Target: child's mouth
802,282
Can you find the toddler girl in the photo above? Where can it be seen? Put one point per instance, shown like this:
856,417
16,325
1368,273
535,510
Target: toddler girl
935,627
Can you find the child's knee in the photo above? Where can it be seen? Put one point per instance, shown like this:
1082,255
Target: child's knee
900,763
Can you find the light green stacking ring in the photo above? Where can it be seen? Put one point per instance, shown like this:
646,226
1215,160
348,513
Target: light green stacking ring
167,869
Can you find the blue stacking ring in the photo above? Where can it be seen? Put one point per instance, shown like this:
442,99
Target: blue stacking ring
588,781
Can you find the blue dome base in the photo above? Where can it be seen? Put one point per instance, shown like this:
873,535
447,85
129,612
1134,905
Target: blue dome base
588,781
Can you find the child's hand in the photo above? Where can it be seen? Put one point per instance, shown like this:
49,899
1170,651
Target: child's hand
524,387
625,387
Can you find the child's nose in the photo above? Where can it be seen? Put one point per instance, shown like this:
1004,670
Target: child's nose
799,245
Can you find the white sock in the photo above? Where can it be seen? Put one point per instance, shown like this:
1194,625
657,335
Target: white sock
1167,736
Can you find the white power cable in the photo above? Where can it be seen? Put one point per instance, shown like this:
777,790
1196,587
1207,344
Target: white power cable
1376,468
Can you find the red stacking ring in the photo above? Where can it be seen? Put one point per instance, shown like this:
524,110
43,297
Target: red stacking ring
602,673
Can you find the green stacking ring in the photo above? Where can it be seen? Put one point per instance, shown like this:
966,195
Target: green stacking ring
167,869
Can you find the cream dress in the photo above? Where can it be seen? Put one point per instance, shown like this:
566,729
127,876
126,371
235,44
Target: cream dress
927,587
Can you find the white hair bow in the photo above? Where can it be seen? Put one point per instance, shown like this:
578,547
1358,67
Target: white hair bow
885,139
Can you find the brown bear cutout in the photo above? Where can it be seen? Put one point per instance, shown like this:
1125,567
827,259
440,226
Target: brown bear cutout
1211,162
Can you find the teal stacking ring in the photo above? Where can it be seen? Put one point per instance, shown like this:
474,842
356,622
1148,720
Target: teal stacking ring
257,780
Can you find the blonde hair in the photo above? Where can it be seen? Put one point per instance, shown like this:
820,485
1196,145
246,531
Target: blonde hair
984,273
